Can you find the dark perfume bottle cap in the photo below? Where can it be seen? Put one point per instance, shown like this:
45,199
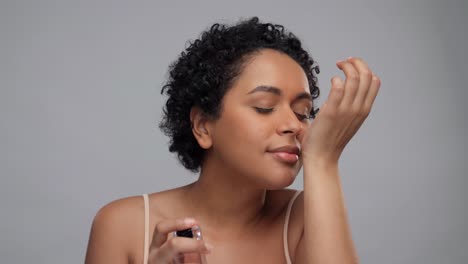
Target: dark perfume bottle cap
194,232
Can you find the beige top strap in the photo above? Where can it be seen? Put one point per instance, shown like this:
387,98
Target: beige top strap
146,248
285,229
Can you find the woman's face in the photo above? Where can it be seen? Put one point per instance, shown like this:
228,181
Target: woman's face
264,110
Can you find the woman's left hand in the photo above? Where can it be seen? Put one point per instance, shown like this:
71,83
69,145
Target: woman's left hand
347,106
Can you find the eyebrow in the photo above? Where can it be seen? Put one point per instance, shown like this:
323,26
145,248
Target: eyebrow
276,91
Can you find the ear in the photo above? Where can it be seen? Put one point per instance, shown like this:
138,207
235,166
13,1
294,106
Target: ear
201,127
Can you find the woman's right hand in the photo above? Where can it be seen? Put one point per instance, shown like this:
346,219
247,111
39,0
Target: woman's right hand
179,249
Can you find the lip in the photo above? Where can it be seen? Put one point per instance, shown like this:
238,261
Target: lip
286,157
287,153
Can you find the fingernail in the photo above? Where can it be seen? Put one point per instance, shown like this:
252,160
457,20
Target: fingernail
340,61
189,221
350,58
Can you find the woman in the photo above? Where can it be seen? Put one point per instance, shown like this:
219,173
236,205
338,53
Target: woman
241,100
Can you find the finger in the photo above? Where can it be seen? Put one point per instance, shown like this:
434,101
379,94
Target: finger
372,94
176,246
170,225
351,82
365,78
188,258
336,92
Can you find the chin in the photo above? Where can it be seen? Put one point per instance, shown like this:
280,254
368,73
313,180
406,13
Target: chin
270,173
280,179
278,186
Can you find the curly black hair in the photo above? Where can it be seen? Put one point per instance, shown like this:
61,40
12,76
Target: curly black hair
204,72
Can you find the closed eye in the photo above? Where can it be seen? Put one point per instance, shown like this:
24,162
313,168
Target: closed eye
301,117
263,110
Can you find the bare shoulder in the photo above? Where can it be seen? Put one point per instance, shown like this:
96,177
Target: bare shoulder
122,207
115,230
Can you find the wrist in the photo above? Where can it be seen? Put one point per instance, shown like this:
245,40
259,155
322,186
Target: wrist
320,170
319,162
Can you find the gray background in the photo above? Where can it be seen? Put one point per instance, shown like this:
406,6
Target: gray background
80,103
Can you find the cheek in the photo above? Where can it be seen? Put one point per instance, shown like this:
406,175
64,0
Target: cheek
242,134
250,129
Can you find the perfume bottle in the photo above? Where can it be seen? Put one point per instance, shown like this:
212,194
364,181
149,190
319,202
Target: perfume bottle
195,233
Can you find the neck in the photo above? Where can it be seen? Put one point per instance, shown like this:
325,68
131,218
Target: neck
223,200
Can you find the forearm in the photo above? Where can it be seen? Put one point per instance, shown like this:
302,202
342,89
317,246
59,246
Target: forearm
327,235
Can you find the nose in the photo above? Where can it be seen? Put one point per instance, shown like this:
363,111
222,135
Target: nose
290,124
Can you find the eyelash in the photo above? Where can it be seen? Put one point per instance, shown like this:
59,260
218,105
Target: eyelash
269,110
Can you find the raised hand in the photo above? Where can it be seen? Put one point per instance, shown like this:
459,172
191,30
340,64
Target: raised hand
175,249
347,106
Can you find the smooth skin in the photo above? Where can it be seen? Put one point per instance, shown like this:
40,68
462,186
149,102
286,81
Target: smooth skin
239,198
